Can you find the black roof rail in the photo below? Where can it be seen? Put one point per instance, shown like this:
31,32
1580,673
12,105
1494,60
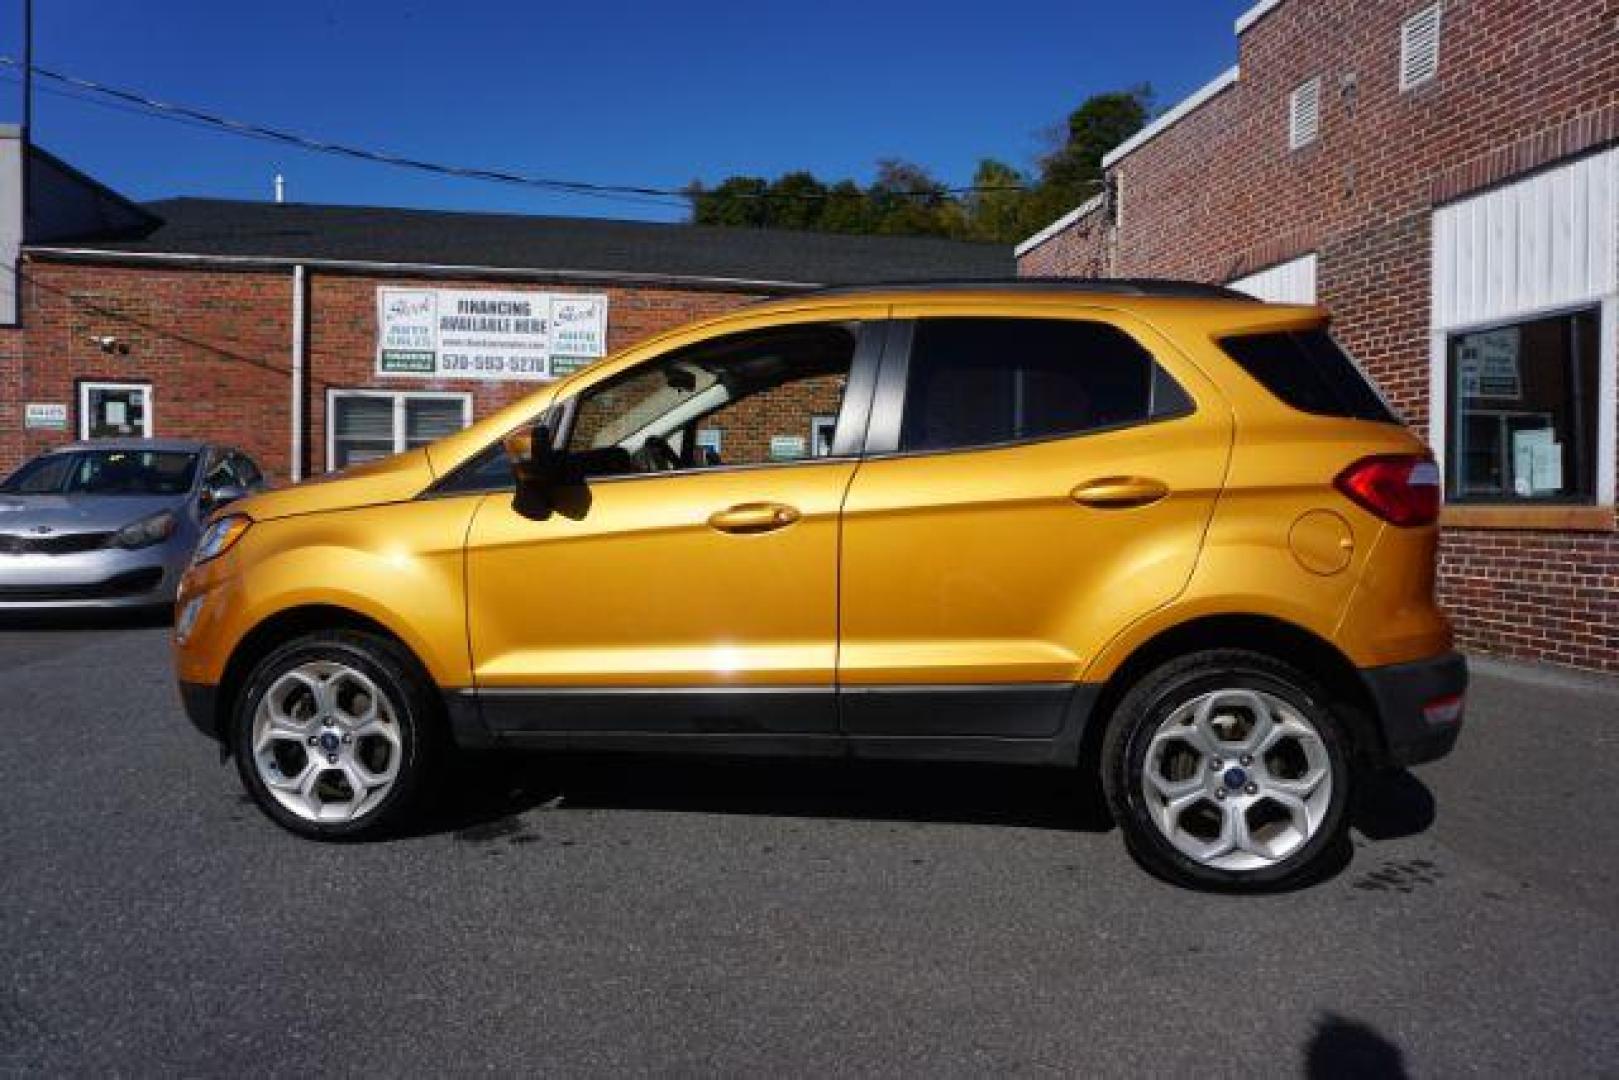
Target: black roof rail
1161,287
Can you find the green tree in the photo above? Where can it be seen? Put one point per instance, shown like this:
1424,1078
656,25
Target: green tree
995,208
797,201
905,199
1072,171
739,201
846,209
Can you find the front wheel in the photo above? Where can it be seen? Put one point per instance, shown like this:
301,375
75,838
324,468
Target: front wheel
1227,769
332,735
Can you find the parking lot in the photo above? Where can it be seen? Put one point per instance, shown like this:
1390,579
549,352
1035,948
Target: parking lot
597,915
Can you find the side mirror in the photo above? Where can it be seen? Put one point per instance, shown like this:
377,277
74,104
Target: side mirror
535,461
217,495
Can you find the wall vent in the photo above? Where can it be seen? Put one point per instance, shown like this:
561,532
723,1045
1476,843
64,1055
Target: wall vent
1304,114
1419,48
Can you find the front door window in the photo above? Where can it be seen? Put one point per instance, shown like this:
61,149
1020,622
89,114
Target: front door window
753,399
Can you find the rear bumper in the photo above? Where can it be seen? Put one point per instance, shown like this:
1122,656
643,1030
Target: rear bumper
1403,693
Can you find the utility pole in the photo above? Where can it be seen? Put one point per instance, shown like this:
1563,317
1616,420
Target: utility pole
27,70
27,112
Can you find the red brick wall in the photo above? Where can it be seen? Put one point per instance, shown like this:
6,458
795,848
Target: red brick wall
343,332
1219,195
1078,251
216,345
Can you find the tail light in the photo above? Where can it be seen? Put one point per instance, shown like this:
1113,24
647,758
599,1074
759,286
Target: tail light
1402,489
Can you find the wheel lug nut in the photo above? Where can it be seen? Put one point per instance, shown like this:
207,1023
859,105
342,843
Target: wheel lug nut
313,740
1214,764
331,759
348,738
1247,759
1252,789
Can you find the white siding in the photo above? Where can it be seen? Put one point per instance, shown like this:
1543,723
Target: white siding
1546,242
1287,283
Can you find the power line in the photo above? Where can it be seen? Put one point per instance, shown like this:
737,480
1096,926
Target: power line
93,92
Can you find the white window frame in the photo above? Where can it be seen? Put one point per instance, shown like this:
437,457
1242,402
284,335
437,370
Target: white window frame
399,398
1607,379
1602,292
819,421
1295,137
1435,12
84,402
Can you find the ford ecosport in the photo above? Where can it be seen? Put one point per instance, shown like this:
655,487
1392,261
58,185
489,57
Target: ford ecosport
1156,532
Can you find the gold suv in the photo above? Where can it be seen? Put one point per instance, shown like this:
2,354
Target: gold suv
1154,531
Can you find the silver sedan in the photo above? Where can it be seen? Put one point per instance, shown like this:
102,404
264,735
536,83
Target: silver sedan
111,523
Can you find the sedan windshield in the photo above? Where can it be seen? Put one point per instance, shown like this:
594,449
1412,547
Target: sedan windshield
105,472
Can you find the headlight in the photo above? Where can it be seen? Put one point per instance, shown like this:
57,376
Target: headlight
147,531
220,537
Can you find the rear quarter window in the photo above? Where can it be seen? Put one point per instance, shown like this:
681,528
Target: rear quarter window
1308,370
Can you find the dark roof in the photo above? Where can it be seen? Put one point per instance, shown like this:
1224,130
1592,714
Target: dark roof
289,232
1167,288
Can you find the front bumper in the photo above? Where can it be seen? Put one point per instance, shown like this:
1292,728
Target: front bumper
108,578
1403,694
201,703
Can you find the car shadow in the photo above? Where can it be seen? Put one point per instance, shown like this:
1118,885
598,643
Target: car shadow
486,793
1392,804
73,620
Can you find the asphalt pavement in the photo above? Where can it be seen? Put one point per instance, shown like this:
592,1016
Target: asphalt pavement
599,915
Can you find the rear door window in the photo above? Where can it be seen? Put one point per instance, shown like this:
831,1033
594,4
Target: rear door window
1309,371
986,381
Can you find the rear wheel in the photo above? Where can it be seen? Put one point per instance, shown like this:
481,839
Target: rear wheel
334,735
1228,769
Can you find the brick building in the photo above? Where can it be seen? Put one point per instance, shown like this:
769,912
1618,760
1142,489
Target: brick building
258,324
1442,176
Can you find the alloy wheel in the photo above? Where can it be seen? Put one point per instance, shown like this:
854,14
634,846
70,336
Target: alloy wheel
326,742
1237,779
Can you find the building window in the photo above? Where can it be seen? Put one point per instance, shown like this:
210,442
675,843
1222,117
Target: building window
1304,114
1524,414
114,410
363,425
822,429
1419,48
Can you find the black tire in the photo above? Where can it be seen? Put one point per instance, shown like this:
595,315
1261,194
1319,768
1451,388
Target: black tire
416,708
1153,699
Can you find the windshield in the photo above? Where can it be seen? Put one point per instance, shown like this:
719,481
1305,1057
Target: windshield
105,472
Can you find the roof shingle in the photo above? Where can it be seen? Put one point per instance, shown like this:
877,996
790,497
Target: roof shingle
303,231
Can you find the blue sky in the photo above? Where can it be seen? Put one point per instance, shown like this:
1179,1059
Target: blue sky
647,94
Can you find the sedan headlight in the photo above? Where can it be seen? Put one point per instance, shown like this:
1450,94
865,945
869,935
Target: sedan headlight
220,537
153,529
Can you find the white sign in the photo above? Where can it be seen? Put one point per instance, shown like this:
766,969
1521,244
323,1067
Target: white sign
48,415
1489,365
487,333
787,447
1537,462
